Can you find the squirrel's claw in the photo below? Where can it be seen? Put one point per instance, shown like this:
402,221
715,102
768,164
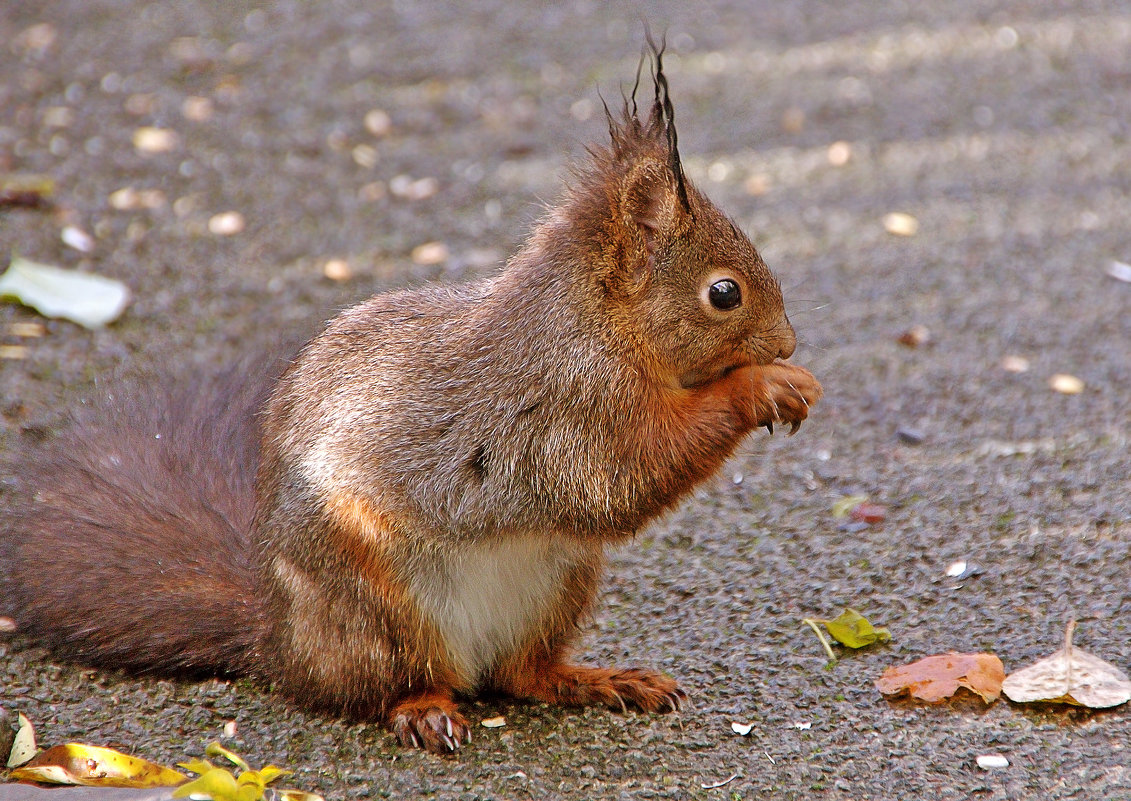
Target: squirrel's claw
432,729
770,428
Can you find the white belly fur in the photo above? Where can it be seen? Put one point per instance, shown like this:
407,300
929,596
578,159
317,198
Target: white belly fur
486,598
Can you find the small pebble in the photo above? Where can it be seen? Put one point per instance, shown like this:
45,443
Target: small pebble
197,109
30,331
741,729
756,185
337,270
956,569
910,436
991,761
494,723
155,140
900,224
378,122
1014,364
226,223
14,352
839,153
78,239
430,253
365,156
915,336
1066,384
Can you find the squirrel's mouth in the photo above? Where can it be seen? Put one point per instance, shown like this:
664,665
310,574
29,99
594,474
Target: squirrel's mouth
693,379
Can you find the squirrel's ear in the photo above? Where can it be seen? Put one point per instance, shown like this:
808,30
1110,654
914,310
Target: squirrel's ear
650,202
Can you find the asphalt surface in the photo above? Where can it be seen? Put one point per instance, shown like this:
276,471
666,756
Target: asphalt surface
1003,129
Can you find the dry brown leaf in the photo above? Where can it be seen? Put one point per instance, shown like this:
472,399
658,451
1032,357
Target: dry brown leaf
935,678
1070,676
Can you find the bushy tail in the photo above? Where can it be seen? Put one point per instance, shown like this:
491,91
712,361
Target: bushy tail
126,542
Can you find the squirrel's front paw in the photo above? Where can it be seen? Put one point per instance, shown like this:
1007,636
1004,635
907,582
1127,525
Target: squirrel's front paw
431,722
788,392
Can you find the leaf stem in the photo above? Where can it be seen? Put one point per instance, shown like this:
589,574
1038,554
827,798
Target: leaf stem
812,623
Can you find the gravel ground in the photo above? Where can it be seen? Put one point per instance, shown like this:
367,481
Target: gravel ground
1003,128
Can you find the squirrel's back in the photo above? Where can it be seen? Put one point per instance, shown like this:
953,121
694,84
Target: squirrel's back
126,539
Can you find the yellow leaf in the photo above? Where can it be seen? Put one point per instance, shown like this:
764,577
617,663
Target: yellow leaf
215,749
217,784
93,766
270,773
198,766
23,747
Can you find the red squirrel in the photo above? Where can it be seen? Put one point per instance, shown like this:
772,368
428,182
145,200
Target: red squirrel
418,507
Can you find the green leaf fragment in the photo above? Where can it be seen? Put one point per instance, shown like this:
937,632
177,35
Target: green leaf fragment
85,298
854,630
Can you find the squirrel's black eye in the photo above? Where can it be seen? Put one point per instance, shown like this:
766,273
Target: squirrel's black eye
725,295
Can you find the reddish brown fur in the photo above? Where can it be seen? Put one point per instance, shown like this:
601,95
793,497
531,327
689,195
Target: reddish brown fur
439,471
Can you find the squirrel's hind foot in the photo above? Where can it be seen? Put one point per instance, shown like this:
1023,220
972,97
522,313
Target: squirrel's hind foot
619,689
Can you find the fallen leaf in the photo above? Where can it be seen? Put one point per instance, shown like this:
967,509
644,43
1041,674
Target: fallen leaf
935,678
85,298
854,630
92,766
25,190
220,784
1120,271
23,745
900,224
1070,676
847,503
870,513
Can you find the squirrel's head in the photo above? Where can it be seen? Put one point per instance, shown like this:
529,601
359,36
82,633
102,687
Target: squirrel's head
674,273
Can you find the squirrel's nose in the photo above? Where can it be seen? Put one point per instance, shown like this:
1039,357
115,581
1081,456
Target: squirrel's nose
787,340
